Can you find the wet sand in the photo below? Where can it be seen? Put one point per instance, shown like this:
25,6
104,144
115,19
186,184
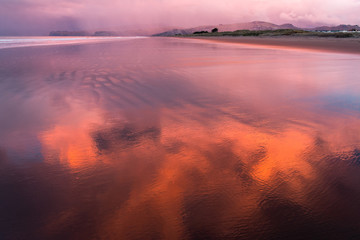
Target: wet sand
344,45
165,138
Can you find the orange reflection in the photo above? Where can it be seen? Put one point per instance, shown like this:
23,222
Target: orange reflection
202,140
223,158
69,141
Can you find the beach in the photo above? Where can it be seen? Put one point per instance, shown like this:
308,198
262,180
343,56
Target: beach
177,138
344,45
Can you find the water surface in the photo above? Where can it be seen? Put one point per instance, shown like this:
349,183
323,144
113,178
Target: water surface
12,42
161,138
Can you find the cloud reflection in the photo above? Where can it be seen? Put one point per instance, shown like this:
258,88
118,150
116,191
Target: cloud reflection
137,146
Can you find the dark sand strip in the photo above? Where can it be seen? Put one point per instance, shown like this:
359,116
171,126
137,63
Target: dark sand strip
344,45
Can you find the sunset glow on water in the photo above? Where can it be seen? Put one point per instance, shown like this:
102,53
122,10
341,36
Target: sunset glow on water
164,138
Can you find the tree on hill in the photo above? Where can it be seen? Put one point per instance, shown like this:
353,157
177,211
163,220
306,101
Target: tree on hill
214,30
200,32
69,33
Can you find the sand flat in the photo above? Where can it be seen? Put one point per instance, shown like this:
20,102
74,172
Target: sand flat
141,138
344,45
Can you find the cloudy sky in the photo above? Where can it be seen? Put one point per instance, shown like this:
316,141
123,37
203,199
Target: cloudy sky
41,16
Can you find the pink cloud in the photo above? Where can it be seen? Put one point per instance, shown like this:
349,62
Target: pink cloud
109,13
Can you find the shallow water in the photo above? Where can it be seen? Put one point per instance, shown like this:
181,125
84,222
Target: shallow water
161,138
13,42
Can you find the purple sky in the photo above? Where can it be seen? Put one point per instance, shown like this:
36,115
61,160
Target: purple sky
41,16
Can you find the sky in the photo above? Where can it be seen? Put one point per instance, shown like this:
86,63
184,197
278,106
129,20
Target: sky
29,17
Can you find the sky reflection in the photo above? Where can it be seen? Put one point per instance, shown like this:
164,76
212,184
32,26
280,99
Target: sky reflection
177,139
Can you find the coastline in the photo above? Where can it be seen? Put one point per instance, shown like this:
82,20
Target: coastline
339,45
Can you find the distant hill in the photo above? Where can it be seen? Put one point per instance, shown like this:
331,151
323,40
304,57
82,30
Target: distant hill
254,26
149,30
337,28
84,33
115,31
69,33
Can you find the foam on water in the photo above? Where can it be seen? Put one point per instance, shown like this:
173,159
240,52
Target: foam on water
11,42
